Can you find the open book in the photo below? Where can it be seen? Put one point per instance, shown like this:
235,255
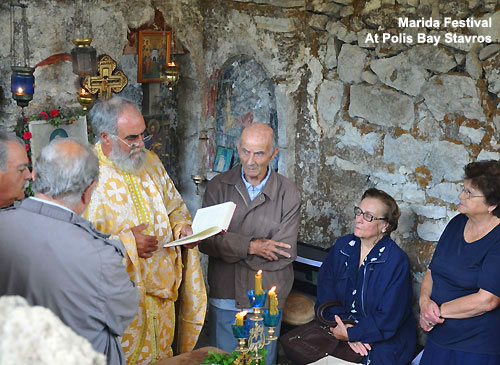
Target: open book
208,222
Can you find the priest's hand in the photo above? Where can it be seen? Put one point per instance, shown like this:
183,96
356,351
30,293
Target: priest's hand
268,249
145,244
186,230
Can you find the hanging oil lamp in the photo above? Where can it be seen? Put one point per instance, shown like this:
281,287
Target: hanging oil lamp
22,80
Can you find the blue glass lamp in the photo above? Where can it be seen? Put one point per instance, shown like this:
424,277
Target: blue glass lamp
22,81
22,85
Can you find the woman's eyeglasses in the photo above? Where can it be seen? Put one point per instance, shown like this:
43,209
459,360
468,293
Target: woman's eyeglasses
468,194
367,216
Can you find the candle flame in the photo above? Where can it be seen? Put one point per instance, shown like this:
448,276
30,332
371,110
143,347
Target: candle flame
259,272
20,90
272,290
172,64
83,91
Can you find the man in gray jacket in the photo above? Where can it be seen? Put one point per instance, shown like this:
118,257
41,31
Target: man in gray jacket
54,258
262,234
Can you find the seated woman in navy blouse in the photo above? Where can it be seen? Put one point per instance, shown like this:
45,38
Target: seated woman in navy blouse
370,275
460,293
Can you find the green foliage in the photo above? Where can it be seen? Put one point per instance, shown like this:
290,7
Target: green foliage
229,359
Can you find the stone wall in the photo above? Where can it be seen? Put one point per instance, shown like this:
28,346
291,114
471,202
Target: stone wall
402,116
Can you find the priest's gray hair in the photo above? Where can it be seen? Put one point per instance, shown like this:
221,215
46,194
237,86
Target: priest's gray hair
64,170
105,113
5,138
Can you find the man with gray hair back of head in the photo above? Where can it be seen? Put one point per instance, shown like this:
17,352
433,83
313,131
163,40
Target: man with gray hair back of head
59,260
14,171
65,170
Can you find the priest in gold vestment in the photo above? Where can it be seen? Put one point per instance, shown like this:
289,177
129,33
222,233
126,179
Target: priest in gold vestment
136,201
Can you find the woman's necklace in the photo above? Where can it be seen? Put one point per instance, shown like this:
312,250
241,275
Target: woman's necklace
473,232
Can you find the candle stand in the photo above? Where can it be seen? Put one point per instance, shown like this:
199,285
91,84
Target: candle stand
251,339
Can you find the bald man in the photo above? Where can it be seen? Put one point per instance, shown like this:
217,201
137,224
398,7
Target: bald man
262,234
14,171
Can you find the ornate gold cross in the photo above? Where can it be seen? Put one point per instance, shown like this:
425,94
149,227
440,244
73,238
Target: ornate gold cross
106,82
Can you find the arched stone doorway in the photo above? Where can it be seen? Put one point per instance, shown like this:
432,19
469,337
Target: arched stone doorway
245,94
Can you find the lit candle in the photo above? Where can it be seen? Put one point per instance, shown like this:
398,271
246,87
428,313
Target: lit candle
258,283
171,64
240,316
20,90
273,301
83,91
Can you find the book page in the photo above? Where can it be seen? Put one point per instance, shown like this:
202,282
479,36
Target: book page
212,231
219,215
208,222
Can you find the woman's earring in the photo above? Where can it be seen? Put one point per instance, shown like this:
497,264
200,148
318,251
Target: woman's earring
383,230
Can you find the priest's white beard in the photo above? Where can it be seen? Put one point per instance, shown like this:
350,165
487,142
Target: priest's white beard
131,162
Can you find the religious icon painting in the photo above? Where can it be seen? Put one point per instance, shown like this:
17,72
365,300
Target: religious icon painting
154,50
43,133
223,159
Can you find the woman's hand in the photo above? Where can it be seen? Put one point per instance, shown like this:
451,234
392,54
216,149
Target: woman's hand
430,314
360,348
340,332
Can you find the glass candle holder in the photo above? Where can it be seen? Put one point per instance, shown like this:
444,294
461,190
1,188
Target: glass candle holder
241,333
271,321
257,302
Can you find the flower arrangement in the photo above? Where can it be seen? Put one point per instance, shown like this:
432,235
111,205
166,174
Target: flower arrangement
55,117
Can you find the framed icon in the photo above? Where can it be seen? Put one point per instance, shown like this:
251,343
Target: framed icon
154,50
223,159
43,133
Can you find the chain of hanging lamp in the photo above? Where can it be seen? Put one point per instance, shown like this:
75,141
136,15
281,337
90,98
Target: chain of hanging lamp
24,31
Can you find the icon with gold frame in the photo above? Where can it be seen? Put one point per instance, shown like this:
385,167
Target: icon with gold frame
154,53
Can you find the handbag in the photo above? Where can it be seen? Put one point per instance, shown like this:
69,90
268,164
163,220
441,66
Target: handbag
312,341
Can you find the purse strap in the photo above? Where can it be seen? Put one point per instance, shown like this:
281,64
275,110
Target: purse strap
323,307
